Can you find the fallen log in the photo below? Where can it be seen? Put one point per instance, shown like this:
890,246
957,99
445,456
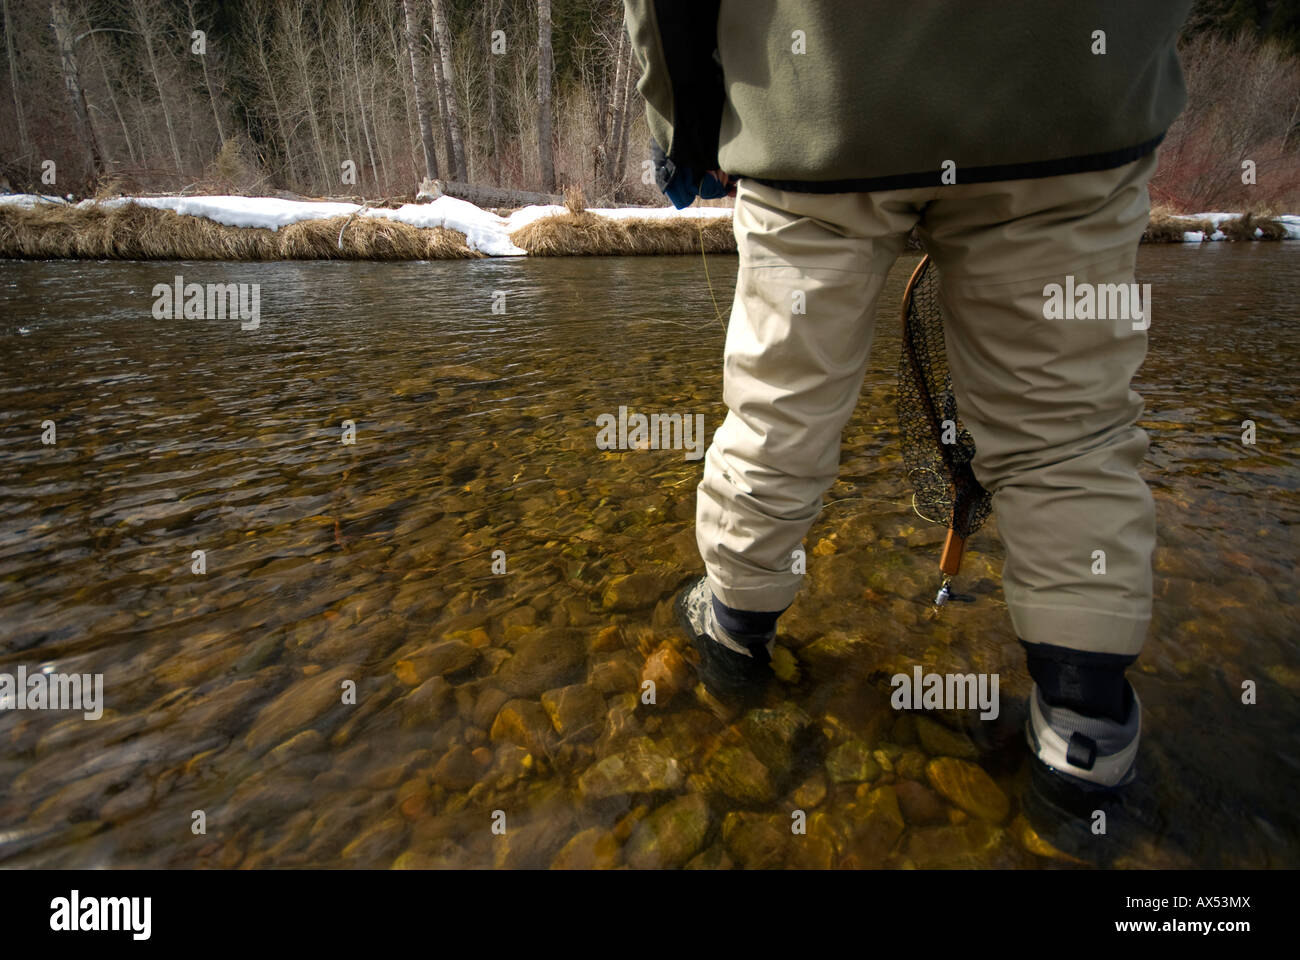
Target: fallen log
482,196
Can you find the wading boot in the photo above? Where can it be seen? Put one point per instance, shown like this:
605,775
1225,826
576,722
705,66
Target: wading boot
1082,797
732,669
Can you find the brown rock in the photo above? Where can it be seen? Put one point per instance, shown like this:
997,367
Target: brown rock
668,671
969,787
435,660
938,741
576,712
878,825
545,659
919,804
305,703
640,768
670,835
592,849
457,770
737,774
633,591
523,722
615,674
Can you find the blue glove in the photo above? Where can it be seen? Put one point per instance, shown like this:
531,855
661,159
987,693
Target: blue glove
681,184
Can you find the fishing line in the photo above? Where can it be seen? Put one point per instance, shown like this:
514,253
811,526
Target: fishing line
716,309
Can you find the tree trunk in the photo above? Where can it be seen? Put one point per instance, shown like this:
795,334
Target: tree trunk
494,162
421,102
361,109
117,110
627,95
72,83
614,123
207,80
440,95
455,140
544,66
144,26
259,45
13,82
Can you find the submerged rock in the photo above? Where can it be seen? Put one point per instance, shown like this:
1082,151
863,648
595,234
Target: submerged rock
756,841
773,735
878,823
633,591
811,792
303,704
640,768
852,762
523,722
576,712
592,849
616,673
738,775
436,660
668,671
711,858
457,770
968,787
377,844
939,741
920,804
671,835
545,659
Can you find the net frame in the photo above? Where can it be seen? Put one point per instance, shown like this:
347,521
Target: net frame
941,474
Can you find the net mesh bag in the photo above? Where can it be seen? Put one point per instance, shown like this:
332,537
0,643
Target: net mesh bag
946,490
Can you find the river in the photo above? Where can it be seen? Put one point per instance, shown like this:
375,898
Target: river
364,591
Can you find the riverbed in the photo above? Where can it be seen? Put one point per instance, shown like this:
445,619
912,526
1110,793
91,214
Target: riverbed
364,590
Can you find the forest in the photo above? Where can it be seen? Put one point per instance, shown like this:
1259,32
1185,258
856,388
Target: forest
365,98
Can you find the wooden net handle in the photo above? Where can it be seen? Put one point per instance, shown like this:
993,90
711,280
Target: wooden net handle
950,561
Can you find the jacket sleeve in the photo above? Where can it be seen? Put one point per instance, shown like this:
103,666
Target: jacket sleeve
675,44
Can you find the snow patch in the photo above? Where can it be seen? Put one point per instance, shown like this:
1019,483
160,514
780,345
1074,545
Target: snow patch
484,231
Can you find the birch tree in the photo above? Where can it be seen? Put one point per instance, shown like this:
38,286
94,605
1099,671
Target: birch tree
447,94
544,68
67,44
421,100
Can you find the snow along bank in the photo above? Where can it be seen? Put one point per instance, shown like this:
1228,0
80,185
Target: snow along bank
484,231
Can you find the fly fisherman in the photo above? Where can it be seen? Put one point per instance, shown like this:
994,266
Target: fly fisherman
1018,138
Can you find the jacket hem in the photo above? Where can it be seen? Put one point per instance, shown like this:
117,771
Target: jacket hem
1086,163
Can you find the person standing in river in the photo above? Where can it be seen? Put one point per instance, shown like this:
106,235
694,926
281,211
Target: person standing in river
1017,138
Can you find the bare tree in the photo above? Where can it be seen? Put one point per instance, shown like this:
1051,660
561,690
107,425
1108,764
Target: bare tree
207,79
112,99
62,23
257,42
13,82
145,17
494,161
447,93
421,101
544,68
617,107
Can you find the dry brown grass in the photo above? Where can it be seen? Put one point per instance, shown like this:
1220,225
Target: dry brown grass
133,232
591,235
1165,226
1244,227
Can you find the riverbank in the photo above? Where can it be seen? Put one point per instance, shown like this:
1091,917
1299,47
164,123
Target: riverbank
266,228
